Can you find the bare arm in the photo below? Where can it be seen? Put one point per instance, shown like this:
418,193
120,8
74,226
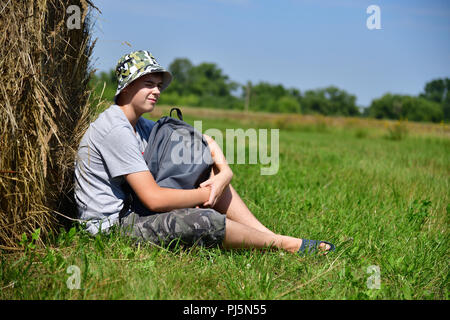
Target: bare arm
160,199
220,162
221,173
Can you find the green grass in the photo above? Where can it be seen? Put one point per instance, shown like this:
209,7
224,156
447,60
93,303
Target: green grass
382,201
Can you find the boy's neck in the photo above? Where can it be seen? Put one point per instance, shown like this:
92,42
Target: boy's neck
131,115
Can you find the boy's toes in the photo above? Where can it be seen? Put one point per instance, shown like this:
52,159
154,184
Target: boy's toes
325,248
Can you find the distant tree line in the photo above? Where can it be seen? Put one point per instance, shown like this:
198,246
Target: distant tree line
431,105
205,85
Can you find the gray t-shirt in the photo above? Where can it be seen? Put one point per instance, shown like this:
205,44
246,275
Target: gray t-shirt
109,149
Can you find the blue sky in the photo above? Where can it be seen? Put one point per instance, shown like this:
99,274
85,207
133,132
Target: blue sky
306,44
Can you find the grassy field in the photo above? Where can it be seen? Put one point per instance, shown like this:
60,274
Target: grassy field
378,190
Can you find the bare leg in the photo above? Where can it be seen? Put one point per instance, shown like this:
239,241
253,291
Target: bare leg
238,235
231,204
243,230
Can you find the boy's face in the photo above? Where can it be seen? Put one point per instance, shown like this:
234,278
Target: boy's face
144,92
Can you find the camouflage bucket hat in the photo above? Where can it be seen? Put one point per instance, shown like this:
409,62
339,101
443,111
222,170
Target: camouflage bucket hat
136,64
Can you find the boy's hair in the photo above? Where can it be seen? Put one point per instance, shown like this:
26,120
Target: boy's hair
136,64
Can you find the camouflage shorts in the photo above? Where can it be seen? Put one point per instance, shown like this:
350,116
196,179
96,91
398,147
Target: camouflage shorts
191,226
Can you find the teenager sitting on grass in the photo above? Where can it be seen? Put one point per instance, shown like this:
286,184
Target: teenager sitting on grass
111,152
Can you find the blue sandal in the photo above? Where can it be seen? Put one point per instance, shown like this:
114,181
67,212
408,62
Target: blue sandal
311,246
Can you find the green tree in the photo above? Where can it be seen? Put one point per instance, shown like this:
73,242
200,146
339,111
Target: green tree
274,98
314,101
341,102
201,85
181,72
209,80
438,91
392,106
330,101
289,104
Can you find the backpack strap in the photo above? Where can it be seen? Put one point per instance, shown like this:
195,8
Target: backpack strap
179,114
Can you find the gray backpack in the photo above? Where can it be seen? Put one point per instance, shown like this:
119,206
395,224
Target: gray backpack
177,155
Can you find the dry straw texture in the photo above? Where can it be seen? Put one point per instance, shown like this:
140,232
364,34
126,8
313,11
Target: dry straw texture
44,111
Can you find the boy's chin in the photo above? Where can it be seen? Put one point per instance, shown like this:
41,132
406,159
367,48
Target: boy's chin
149,107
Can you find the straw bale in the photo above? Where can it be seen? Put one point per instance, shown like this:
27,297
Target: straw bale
44,111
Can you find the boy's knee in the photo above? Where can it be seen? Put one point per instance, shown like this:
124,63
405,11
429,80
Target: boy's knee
205,227
204,218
